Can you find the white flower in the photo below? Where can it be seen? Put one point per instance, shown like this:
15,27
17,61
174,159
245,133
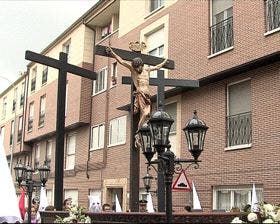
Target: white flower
87,220
276,217
268,221
252,217
268,208
236,220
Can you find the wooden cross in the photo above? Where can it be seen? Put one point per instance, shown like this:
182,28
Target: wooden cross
134,154
63,68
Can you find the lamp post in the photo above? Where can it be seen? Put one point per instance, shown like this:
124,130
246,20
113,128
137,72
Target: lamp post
25,173
159,125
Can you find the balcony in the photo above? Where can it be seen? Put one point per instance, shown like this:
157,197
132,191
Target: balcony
272,14
221,35
239,129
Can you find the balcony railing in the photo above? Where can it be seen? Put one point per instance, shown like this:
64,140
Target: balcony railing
221,35
272,14
239,129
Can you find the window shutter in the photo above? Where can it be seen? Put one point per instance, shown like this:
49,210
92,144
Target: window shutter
101,136
94,140
239,96
122,129
71,144
219,6
155,39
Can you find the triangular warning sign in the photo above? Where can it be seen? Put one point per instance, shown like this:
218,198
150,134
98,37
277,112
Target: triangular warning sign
182,183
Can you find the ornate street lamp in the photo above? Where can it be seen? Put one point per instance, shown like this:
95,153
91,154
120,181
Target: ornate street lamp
29,173
160,124
195,132
25,174
146,142
44,172
19,172
147,180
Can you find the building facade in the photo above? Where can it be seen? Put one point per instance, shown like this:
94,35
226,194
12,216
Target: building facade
232,52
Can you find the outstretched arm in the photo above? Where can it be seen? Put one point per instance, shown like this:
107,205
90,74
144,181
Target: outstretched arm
157,67
110,51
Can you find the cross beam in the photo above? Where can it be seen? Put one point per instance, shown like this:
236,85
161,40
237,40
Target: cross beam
63,68
161,82
129,55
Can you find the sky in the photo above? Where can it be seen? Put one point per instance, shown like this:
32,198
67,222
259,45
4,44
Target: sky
32,25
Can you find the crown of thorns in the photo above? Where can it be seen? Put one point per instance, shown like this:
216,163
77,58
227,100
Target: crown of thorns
137,46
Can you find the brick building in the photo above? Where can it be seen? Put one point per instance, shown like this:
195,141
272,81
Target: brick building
231,47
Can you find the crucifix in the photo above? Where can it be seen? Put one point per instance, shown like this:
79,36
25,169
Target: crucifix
63,66
160,82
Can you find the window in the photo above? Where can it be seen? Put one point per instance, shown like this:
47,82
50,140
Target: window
42,110
225,198
19,136
114,74
4,107
117,131
73,194
70,152
272,11
106,30
157,52
100,82
49,193
66,49
22,94
33,79
222,25
171,109
45,75
155,44
12,132
155,4
14,100
30,117
37,156
49,151
239,131
97,137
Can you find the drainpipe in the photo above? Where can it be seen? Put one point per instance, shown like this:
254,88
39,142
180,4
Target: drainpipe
24,109
26,80
93,62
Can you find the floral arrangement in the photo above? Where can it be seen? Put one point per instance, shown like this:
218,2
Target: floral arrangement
75,216
266,213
